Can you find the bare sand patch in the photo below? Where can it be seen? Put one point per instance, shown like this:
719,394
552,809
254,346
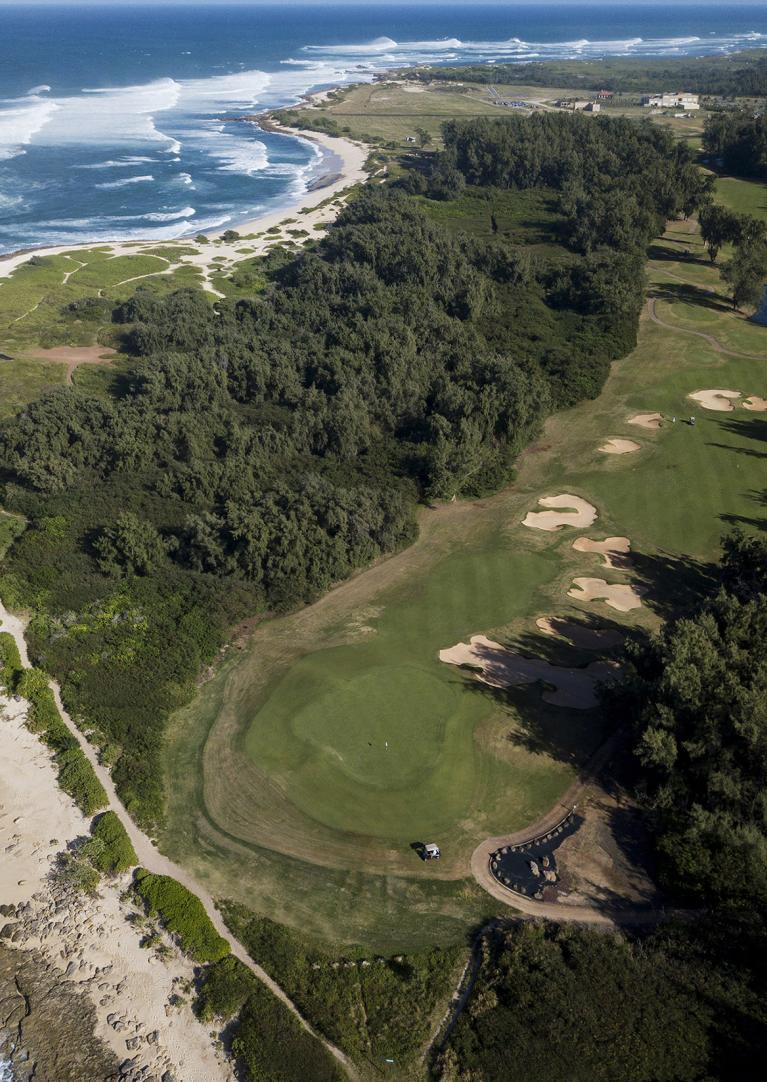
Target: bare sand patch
613,550
719,401
576,512
619,447
74,356
587,638
622,597
755,404
500,668
646,420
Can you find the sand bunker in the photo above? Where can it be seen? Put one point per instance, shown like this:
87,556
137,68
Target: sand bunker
500,668
621,597
646,420
758,405
587,638
618,447
577,513
613,550
720,401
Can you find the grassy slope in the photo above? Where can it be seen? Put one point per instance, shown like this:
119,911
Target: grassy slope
294,759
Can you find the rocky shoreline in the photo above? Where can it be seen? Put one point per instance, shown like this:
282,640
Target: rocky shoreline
90,989
46,1025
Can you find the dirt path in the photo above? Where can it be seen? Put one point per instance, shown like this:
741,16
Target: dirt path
709,338
152,860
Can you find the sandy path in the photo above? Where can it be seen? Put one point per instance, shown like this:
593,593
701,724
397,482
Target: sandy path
613,550
154,861
619,447
709,338
622,597
575,688
576,512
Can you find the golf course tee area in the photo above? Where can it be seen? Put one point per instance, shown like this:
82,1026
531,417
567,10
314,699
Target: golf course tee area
331,741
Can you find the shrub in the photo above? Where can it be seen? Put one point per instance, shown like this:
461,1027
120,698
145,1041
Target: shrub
77,778
10,661
181,913
224,988
275,1047
76,775
115,854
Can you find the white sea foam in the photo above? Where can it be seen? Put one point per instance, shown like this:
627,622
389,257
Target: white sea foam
124,182
43,88
169,216
20,120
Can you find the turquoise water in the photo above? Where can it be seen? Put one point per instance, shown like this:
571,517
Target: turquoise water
116,122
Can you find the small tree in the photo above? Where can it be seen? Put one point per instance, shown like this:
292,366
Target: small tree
424,137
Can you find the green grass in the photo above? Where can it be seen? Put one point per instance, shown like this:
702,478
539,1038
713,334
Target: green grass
391,113
283,795
745,196
525,217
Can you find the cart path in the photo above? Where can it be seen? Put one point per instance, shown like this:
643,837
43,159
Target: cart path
709,338
558,911
154,861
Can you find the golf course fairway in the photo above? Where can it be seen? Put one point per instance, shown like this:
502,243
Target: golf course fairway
284,792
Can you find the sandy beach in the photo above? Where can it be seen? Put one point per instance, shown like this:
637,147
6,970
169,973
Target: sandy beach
309,212
142,1002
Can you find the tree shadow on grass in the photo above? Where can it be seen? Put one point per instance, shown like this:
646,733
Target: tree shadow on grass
746,428
661,252
672,585
689,294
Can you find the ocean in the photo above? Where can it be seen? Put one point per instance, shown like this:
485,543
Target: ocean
113,120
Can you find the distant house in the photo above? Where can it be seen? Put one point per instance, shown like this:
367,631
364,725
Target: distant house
572,103
592,107
678,99
604,95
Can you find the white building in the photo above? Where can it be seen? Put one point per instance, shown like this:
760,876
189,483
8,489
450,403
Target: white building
676,100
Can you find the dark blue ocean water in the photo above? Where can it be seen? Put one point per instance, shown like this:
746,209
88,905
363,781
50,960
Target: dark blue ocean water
111,117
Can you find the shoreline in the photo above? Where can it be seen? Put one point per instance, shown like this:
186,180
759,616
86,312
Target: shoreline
90,942
350,170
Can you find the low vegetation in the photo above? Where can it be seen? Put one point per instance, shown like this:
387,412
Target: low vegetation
371,1007
110,849
182,914
740,74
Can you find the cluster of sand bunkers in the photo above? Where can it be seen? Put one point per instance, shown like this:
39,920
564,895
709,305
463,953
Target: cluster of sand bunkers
575,688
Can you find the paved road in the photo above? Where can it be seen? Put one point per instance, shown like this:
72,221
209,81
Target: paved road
154,861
